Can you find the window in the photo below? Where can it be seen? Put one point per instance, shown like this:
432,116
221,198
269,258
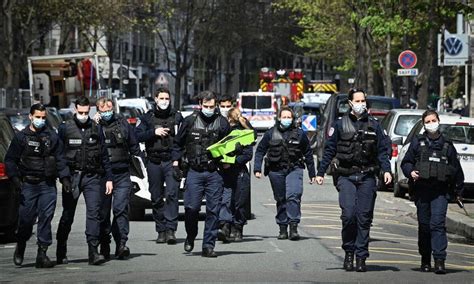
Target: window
405,124
458,133
256,102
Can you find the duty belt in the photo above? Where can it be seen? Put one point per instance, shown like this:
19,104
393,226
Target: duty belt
356,170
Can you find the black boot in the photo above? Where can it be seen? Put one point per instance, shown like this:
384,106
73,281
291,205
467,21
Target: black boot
360,265
19,253
283,235
224,233
294,236
208,252
42,260
61,252
349,261
94,257
188,245
122,252
170,237
439,266
161,237
425,264
238,233
105,249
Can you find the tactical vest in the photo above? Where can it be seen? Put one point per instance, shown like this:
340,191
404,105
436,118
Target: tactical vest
199,137
160,148
116,142
357,148
82,148
37,157
433,164
283,154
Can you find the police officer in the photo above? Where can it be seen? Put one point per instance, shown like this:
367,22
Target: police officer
358,143
236,193
198,131
157,129
121,144
432,166
33,161
88,162
287,150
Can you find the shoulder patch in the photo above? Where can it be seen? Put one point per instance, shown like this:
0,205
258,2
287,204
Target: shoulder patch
331,131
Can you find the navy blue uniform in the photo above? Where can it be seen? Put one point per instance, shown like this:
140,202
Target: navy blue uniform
236,187
357,189
431,197
121,176
86,178
164,199
287,181
201,181
38,192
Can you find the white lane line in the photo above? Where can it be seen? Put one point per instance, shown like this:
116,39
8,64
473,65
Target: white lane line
277,249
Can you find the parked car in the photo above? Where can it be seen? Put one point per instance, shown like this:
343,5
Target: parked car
9,197
187,110
305,109
142,104
398,123
460,130
19,119
131,114
337,106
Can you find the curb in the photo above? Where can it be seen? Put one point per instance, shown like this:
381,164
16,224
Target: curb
459,224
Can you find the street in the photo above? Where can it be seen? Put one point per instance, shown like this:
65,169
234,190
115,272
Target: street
260,257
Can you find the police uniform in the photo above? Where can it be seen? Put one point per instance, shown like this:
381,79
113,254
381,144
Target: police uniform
441,175
360,149
121,144
287,151
160,169
236,193
203,178
37,159
88,162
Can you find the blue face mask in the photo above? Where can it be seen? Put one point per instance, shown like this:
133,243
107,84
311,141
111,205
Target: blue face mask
39,123
208,112
286,122
106,115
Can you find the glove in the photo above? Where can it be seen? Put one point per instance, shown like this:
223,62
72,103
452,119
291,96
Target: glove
16,183
67,187
238,148
177,173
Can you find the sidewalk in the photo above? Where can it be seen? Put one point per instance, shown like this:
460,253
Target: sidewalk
457,222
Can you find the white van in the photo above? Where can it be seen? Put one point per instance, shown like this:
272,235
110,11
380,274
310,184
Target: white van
260,108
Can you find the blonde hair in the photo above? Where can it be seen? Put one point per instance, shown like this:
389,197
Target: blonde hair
103,101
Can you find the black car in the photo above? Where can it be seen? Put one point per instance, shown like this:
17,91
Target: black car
19,119
131,114
9,197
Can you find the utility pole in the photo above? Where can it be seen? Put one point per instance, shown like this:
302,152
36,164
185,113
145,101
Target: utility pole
441,70
121,63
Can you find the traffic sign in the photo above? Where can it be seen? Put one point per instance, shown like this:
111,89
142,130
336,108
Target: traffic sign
309,123
407,59
407,72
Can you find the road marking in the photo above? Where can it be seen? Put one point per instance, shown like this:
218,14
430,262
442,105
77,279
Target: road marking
7,247
386,200
320,217
332,227
277,249
321,213
394,253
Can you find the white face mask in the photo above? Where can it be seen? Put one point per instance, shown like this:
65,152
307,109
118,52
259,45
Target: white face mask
432,127
82,117
359,108
162,104
224,111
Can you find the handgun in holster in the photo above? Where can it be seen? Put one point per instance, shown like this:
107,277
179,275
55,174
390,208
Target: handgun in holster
266,167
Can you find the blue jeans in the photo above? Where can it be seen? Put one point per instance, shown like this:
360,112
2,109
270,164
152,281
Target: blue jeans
357,195
90,186
287,190
198,185
235,195
121,199
164,199
431,208
37,200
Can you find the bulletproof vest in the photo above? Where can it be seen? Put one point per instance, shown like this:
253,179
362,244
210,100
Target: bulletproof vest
199,137
116,142
357,147
283,153
37,157
160,148
82,148
433,163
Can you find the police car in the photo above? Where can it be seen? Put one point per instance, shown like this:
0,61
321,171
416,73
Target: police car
460,130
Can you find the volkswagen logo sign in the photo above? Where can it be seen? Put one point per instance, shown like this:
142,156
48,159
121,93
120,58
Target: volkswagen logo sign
453,45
